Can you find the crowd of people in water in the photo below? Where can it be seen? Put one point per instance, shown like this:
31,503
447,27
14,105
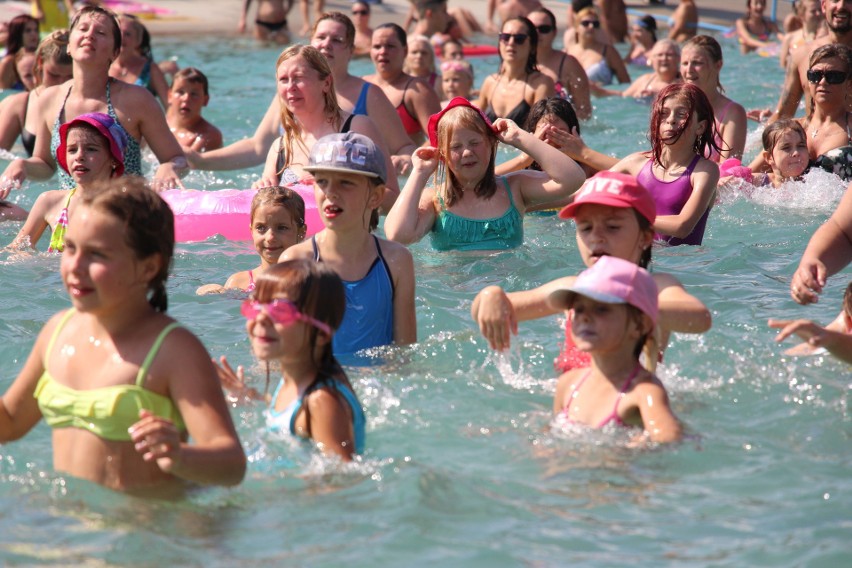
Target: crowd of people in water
134,400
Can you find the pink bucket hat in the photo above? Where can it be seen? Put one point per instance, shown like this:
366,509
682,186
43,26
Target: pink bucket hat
108,128
612,280
615,190
456,102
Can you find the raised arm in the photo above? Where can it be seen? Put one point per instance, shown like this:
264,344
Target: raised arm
792,91
413,214
156,132
560,177
574,79
680,311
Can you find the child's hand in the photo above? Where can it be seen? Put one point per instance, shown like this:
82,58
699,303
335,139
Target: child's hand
402,164
808,281
12,178
508,132
814,334
234,382
573,144
157,439
264,182
496,318
556,137
425,160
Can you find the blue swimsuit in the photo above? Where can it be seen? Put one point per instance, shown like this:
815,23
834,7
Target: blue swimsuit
368,321
285,420
361,104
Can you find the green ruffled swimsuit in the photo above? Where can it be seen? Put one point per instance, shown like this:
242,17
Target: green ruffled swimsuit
453,232
132,153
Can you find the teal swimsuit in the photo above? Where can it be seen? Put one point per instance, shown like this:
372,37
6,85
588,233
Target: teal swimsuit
453,232
132,153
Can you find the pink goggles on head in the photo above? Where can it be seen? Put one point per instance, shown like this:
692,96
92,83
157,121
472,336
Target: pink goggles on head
282,312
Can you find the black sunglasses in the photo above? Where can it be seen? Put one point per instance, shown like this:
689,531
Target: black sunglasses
517,38
360,13
591,23
831,77
544,29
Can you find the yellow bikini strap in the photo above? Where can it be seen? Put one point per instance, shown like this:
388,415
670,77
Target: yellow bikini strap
65,317
143,369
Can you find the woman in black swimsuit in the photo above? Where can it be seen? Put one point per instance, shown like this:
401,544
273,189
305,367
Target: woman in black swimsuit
511,92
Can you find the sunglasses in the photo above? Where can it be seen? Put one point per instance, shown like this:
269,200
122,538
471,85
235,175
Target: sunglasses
519,39
590,24
360,13
282,312
544,29
831,77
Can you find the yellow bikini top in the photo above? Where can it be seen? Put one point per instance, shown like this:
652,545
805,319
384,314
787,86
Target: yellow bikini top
107,412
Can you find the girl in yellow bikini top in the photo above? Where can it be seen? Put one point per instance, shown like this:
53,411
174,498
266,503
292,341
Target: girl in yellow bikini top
107,412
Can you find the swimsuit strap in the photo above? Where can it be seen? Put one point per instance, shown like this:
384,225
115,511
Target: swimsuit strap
347,126
508,190
143,369
624,388
692,165
404,90
724,112
385,263
110,109
316,249
561,65
62,108
65,317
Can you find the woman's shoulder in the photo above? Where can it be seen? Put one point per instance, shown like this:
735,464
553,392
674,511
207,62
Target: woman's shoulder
538,78
395,252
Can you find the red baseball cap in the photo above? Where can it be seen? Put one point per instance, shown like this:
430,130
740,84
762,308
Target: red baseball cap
615,190
456,102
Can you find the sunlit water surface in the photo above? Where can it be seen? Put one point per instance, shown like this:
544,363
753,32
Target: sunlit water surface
462,468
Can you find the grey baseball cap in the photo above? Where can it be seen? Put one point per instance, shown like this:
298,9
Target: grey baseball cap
347,152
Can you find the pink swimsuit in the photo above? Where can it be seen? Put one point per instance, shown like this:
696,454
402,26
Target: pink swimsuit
614,414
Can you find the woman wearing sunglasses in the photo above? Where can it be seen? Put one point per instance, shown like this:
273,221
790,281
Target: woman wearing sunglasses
601,61
363,31
829,131
568,75
511,92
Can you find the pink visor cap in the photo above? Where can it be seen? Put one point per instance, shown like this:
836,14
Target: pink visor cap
615,190
612,280
108,128
436,118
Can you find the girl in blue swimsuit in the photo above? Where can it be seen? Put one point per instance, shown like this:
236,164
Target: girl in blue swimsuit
468,207
613,313
294,312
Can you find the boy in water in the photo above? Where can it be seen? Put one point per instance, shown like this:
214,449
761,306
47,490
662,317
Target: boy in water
187,96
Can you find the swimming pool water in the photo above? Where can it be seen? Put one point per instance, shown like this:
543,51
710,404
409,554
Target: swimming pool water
461,467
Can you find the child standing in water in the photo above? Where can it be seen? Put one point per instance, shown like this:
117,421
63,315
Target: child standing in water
469,208
188,94
277,223
614,216
675,172
378,275
91,150
292,316
122,385
613,311
785,149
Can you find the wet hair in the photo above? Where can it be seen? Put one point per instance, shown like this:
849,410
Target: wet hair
16,26
145,42
342,19
285,197
317,291
149,226
467,118
292,127
699,106
92,10
532,60
397,30
773,132
711,48
192,75
553,106
546,12
423,40
449,42
833,50
649,24
53,48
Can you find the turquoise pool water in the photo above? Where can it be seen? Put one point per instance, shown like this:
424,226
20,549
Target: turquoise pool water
462,468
